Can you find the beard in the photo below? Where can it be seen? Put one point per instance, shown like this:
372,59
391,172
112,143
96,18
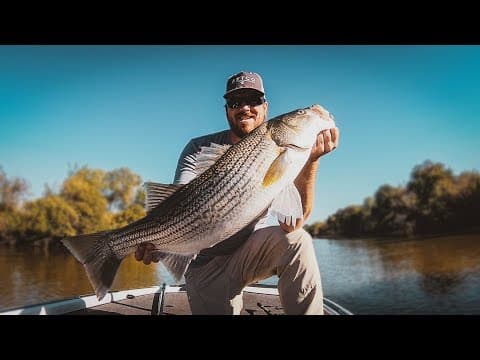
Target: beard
242,129
237,129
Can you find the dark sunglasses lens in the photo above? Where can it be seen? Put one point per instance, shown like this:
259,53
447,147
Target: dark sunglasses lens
236,103
256,101
232,103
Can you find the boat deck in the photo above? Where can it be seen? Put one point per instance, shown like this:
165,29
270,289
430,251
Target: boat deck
258,299
176,303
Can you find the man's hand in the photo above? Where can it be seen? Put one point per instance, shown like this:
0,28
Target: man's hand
146,252
327,141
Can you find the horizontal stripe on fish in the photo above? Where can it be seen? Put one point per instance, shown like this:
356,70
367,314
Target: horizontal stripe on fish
234,186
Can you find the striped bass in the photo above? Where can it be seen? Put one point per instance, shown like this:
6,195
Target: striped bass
234,186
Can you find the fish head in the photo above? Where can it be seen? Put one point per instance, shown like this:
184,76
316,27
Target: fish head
298,129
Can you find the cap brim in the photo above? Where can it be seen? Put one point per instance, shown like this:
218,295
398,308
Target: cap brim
245,88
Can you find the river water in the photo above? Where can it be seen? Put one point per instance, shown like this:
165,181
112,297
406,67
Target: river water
438,275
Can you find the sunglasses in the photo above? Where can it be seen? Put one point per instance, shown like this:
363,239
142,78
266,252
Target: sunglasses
235,103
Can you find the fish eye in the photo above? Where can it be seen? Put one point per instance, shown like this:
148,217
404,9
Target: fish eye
301,112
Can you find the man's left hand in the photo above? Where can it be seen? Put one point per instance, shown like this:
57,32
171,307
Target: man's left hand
327,141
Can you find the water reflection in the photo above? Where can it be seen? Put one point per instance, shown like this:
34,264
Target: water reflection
369,276
438,284
432,259
30,275
435,275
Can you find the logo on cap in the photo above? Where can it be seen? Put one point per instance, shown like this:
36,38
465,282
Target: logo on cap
244,80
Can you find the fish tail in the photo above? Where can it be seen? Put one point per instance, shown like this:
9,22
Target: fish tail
100,262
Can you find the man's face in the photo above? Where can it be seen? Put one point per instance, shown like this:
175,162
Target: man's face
246,109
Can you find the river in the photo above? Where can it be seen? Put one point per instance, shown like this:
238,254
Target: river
439,275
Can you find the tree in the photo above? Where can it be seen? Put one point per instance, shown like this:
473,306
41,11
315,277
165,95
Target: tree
127,216
92,193
349,221
49,217
434,188
12,191
89,200
120,188
317,229
83,190
391,211
465,204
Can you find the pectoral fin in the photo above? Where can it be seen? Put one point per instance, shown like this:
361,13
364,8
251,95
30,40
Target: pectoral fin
278,167
287,206
176,264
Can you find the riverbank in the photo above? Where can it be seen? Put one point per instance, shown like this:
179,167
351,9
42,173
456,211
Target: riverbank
471,231
55,242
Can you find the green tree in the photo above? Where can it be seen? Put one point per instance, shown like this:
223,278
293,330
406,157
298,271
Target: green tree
83,191
369,224
12,191
120,188
433,201
349,221
434,188
391,211
49,217
89,200
317,229
125,196
465,205
128,215
104,200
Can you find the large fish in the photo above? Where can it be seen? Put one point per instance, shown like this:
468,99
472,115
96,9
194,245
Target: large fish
235,184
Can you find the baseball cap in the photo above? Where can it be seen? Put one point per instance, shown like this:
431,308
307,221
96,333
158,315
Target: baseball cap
244,80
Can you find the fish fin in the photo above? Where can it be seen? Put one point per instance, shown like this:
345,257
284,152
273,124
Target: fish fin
156,193
176,264
287,206
206,157
93,252
277,168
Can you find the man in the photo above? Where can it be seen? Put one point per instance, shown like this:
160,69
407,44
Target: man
216,277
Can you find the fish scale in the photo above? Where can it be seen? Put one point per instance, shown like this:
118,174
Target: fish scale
228,187
229,195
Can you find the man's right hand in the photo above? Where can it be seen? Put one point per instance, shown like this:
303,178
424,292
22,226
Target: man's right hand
146,252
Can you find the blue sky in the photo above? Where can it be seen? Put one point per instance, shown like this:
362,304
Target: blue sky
136,106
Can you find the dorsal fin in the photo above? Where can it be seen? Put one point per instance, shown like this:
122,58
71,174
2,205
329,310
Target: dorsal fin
156,193
206,157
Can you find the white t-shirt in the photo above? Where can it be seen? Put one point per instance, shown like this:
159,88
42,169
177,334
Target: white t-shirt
184,174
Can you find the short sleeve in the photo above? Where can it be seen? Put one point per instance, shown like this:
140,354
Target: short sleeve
184,172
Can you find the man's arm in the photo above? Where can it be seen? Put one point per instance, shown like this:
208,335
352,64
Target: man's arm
327,141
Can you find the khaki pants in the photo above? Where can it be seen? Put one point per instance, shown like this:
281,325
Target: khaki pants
216,287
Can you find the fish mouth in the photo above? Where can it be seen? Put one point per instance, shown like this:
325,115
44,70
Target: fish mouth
320,110
296,147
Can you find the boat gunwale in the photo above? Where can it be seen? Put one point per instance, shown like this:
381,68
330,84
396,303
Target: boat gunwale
69,305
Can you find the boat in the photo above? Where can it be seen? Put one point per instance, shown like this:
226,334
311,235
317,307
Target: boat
258,299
